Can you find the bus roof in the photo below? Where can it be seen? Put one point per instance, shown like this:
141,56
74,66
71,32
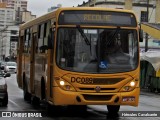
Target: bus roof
55,13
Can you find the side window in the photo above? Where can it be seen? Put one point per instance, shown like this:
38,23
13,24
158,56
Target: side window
43,32
47,28
20,44
35,37
143,17
40,37
27,41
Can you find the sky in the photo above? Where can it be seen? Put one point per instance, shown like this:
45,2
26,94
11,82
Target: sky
40,7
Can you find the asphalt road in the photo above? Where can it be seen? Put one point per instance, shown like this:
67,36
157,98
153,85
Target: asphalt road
148,103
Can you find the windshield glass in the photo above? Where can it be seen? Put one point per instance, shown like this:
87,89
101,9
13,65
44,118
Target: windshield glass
11,64
97,50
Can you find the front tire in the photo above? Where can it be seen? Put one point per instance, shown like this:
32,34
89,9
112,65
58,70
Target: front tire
26,95
78,109
5,100
35,101
113,108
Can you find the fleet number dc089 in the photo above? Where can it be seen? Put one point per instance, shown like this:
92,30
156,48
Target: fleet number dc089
82,80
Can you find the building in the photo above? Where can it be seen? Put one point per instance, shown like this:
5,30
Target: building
26,16
10,44
12,13
138,6
54,7
14,4
7,17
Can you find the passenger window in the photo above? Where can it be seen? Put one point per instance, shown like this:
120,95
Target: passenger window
27,41
47,28
43,31
40,37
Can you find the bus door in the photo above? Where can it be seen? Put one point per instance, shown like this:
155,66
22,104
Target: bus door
50,64
32,62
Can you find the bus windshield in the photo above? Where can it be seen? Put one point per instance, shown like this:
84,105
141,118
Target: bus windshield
106,50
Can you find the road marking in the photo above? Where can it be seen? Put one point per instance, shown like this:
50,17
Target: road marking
14,103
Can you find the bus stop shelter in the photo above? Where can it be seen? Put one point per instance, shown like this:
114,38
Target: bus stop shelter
150,60
152,29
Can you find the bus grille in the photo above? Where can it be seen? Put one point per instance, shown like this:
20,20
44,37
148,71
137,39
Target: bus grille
97,97
106,81
93,90
102,89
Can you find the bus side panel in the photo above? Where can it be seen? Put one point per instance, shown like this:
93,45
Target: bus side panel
19,62
26,70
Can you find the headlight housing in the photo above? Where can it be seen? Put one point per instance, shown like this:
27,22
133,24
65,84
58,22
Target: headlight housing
131,85
65,85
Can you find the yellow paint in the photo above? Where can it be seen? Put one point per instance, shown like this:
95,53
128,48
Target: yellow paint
158,73
151,31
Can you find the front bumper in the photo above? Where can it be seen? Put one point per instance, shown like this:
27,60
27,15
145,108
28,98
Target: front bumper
62,97
11,71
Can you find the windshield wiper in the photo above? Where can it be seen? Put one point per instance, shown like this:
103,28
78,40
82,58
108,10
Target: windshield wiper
83,35
114,35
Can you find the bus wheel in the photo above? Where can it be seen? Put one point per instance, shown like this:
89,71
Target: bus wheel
78,109
49,109
53,110
26,95
113,108
5,100
158,90
43,96
35,101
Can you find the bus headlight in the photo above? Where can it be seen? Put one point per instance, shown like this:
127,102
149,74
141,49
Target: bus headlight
132,84
65,85
129,86
61,83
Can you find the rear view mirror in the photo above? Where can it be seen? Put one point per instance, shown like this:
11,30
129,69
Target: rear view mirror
140,35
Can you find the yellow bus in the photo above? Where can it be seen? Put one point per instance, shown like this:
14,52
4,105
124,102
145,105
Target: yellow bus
80,56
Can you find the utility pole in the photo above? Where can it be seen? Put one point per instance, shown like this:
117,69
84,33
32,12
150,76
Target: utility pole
146,41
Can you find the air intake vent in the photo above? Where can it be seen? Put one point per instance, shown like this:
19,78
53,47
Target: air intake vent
106,81
97,97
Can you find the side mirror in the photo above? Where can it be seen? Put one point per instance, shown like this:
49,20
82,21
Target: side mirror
140,35
7,75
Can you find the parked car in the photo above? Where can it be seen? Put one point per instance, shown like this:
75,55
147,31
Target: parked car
10,67
3,88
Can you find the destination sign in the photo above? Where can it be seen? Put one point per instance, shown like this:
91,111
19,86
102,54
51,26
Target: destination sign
97,18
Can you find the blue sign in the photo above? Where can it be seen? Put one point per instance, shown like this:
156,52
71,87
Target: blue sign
103,64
